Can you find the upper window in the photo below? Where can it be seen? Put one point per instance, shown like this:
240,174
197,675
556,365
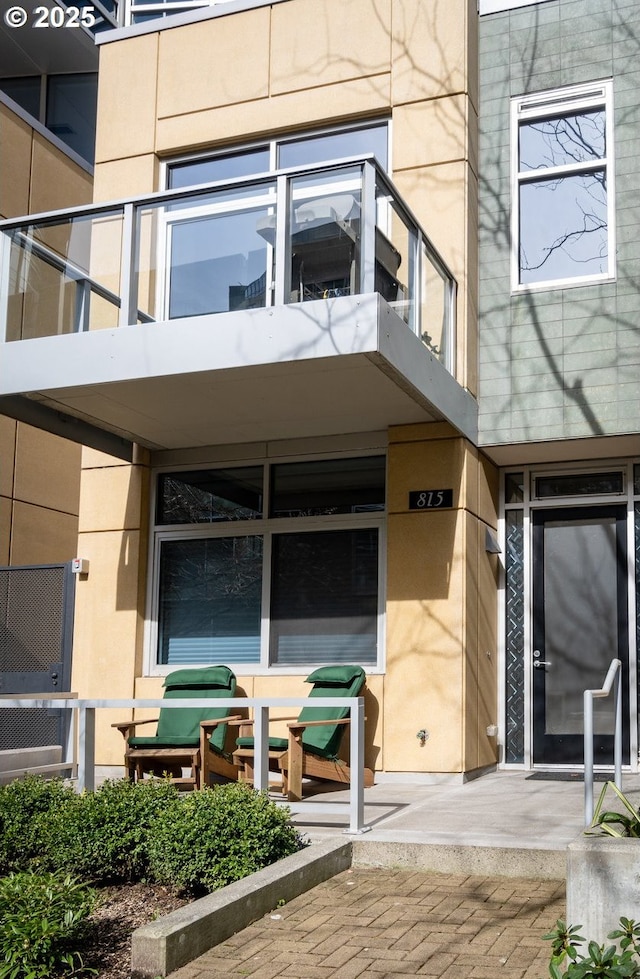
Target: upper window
300,151
221,248
563,173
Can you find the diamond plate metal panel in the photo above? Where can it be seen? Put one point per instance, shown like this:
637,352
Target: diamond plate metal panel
514,638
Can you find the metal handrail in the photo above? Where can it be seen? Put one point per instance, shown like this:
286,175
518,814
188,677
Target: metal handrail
86,740
612,679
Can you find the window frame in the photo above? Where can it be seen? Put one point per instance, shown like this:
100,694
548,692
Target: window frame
169,219
272,143
547,105
265,527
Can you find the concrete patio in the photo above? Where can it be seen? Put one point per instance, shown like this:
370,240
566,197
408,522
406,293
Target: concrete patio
502,814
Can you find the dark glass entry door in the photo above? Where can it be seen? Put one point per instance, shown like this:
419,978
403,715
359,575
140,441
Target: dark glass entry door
579,626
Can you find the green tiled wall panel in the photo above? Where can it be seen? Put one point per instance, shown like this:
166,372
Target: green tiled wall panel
579,344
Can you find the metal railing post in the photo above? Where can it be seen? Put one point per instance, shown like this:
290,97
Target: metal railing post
128,283
588,757
368,230
261,748
281,252
86,748
617,742
71,746
612,679
356,788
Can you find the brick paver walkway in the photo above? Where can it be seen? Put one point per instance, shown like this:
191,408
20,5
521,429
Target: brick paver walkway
391,924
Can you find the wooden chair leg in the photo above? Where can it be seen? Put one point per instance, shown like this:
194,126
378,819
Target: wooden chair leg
294,771
246,773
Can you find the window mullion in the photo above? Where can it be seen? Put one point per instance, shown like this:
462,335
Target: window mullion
265,616
548,173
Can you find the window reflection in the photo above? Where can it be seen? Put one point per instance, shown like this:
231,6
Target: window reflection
225,167
299,152
558,142
564,229
324,605
218,263
335,146
210,495
211,594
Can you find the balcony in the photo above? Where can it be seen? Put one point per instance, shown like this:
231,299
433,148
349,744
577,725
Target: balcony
295,303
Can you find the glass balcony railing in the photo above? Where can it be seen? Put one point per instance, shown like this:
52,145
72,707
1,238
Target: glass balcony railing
293,236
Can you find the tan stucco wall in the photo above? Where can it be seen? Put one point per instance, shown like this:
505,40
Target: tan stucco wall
39,473
109,618
196,87
415,61
441,606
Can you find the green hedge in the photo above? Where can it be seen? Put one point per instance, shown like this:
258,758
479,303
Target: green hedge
212,838
28,807
123,831
104,836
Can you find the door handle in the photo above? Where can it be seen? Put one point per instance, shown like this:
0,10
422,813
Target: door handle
537,663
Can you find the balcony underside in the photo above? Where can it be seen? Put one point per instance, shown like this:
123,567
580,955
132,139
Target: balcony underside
29,51
333,366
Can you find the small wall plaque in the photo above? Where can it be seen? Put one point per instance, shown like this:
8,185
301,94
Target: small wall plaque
434,499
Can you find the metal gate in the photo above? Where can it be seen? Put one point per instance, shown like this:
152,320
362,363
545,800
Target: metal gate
36,633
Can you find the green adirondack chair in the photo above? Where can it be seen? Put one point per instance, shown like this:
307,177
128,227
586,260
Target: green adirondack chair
184,732
314,738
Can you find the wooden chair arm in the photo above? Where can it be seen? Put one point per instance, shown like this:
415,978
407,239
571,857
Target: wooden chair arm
125,726
205,725
250,720
295,726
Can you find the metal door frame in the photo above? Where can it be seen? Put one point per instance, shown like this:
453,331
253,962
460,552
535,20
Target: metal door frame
539,517
527,504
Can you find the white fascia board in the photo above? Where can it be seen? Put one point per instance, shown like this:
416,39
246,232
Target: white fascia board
221,341
499,6
403,353
335,330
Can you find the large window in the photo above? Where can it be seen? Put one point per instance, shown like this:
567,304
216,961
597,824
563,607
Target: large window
270,565
563,194
220,248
